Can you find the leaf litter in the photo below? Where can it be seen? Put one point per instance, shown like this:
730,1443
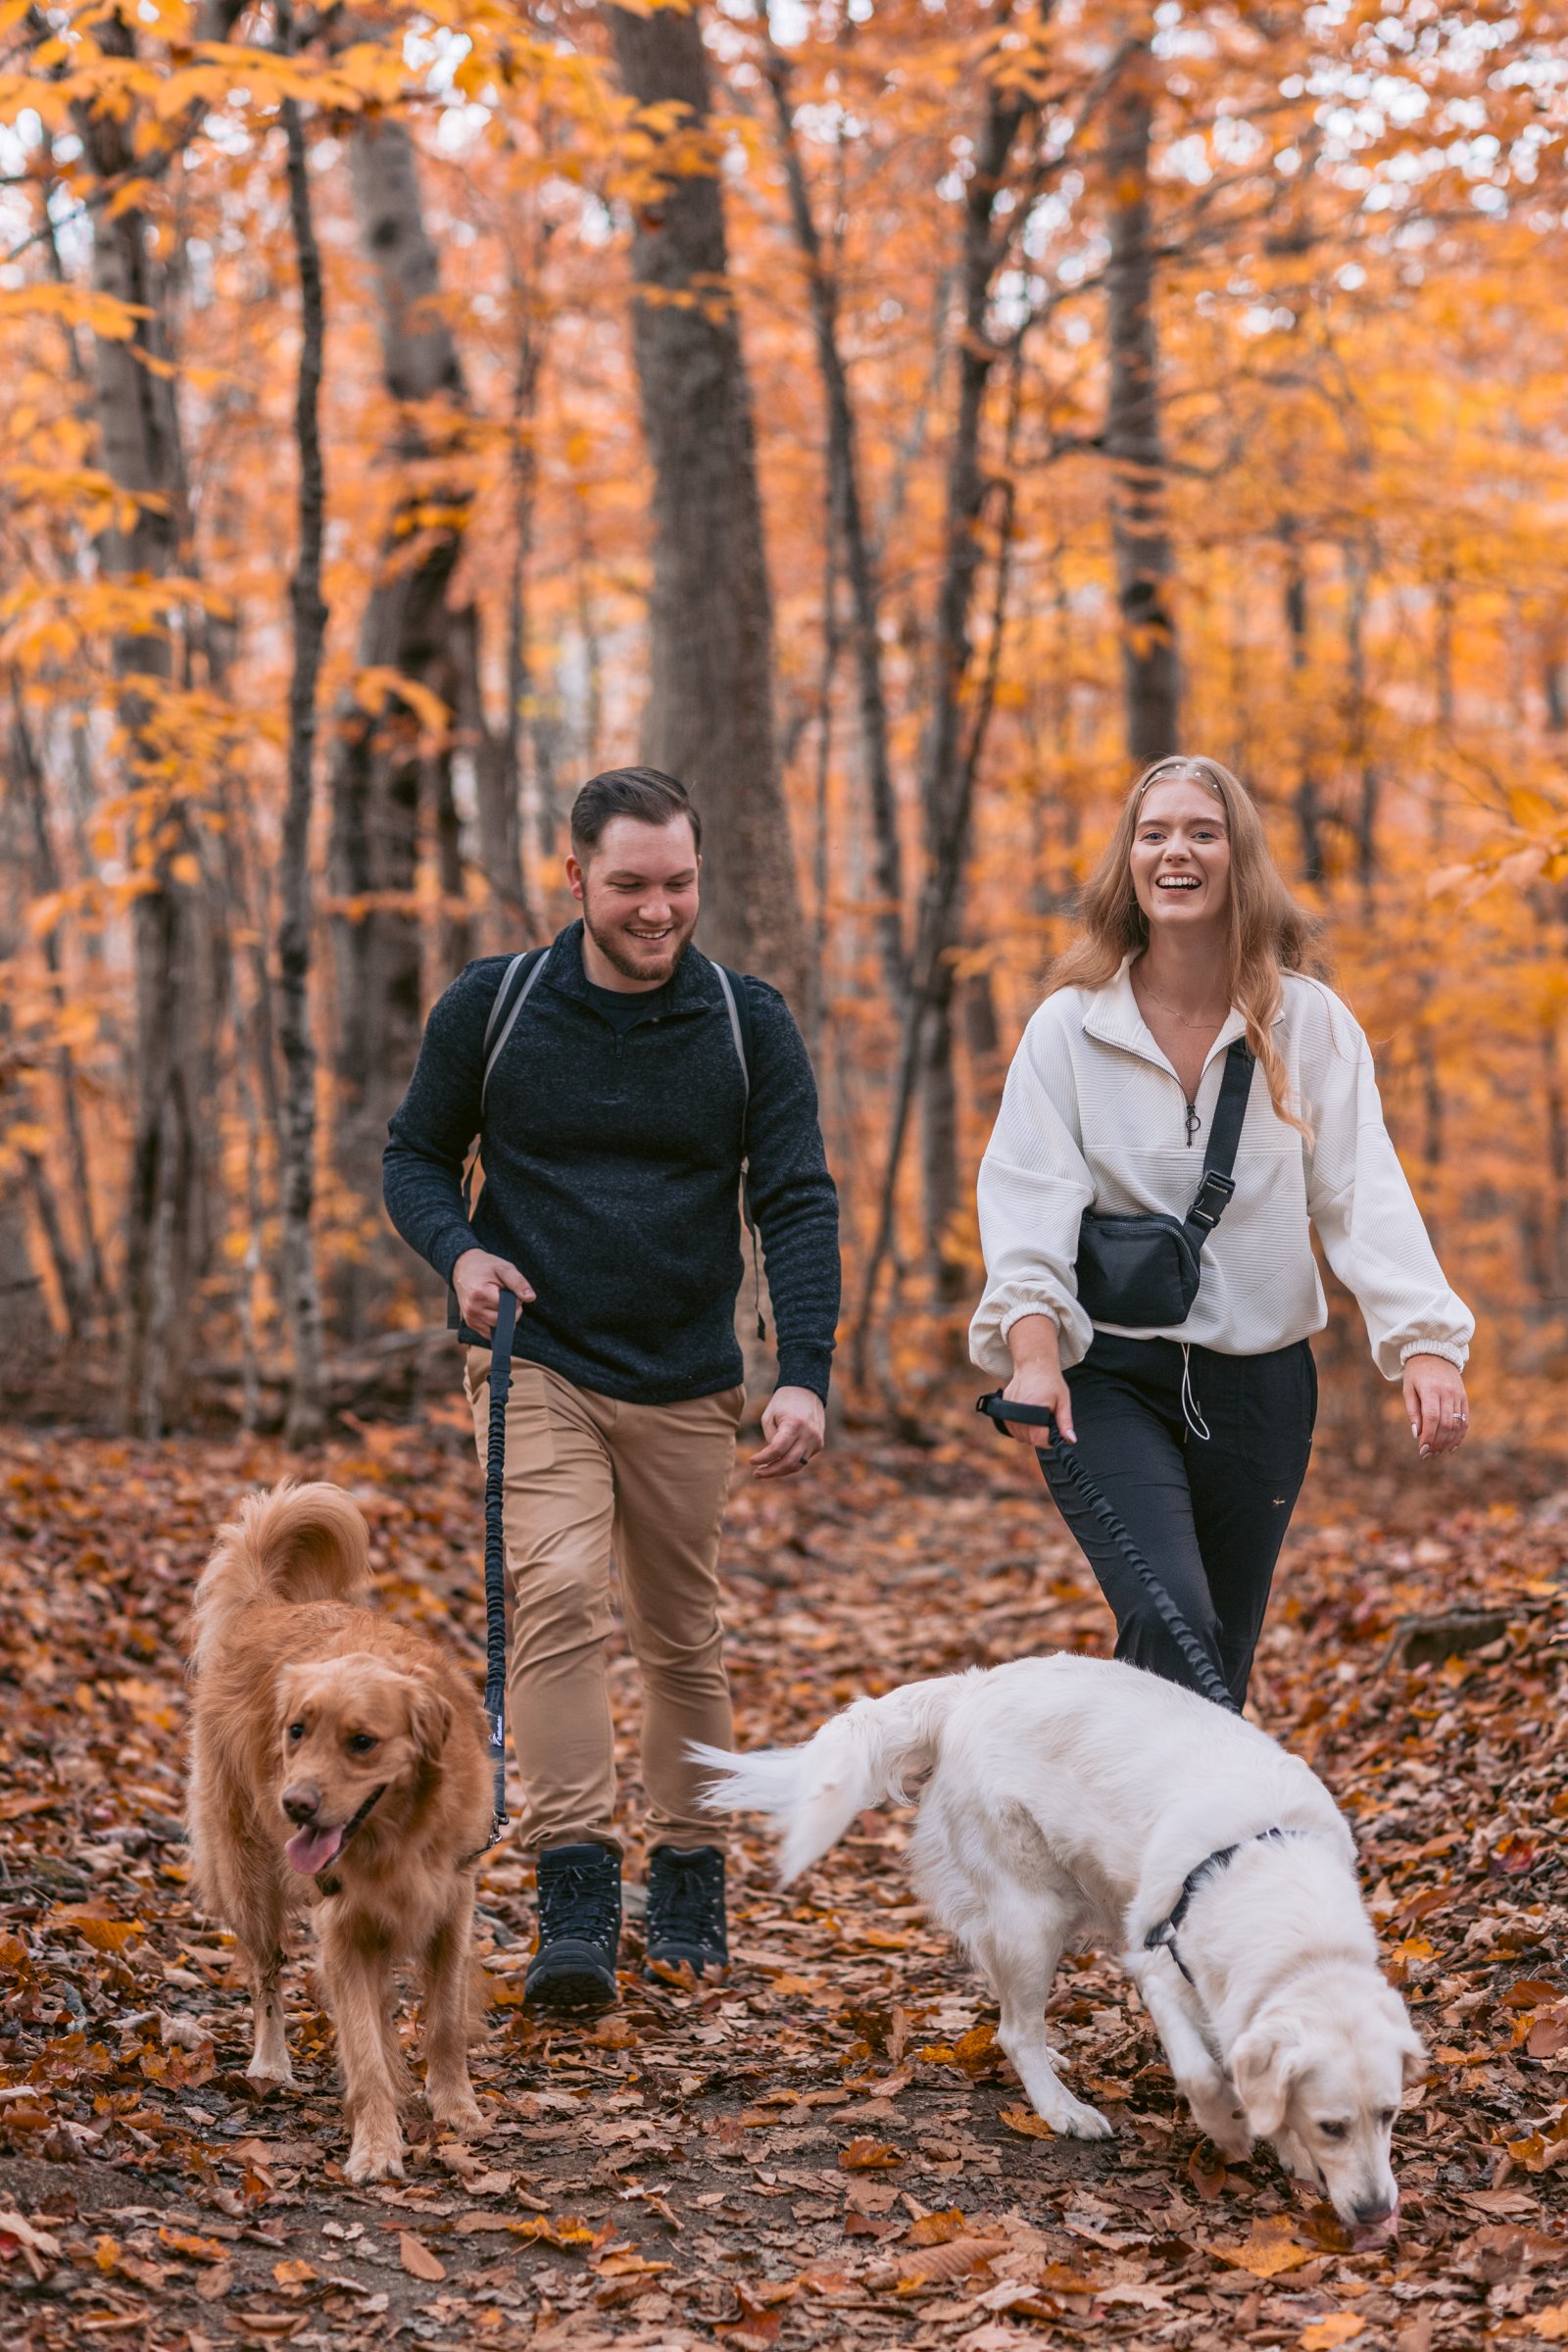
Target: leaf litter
830,2149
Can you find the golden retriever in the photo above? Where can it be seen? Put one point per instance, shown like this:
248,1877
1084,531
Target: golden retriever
1067,1801
341,1760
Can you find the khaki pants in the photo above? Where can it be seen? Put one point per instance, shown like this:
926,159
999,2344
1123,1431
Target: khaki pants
587,1474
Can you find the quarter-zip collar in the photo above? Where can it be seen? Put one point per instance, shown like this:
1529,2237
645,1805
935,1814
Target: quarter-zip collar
691,989
1113,1019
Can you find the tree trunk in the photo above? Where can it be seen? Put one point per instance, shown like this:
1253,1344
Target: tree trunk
956,731
1140,533
847,507
1309,799
297,1142
377,760
710,717
1358,580
167,1228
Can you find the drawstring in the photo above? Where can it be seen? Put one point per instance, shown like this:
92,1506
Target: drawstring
1192,1410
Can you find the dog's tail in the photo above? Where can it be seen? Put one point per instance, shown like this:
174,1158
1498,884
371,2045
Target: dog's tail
878,1748
291,1543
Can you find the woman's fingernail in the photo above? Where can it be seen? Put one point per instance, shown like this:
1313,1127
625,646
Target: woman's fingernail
1425,1451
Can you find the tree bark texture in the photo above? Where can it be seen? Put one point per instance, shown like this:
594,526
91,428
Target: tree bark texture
956,731
1140,533
849,512
296,1138
710,717
1309,812
167,1217
376,765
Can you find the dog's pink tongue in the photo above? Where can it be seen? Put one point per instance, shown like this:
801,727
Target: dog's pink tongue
311,1850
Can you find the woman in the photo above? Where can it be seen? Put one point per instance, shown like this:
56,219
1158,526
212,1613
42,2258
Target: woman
1197,1431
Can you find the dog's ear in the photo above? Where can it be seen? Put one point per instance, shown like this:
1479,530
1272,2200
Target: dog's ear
429,1720
1264,2064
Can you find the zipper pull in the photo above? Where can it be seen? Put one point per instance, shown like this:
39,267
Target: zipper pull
1193,1123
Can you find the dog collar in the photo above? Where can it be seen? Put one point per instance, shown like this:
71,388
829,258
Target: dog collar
330,1886
1210,1866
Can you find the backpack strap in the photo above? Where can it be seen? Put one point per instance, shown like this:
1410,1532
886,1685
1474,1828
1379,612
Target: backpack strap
1224,1137
516,981
737,1004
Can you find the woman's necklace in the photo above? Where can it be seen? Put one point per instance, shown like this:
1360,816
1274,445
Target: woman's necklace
1208,1020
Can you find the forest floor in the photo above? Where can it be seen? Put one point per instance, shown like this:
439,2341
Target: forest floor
829,2149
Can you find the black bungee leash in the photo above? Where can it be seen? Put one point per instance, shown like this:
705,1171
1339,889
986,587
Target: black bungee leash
495,1555
1206,1679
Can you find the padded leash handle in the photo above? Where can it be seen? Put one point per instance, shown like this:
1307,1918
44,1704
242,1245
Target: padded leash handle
1040,1416
495,1554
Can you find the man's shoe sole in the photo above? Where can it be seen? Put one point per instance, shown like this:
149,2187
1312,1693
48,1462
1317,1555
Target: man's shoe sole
569,1982
677,1955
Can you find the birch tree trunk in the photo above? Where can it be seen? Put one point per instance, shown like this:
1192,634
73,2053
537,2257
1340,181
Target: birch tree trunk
377,763
1133,441
710,717
167,1217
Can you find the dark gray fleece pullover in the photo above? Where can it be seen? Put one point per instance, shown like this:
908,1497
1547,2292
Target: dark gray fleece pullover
611,1170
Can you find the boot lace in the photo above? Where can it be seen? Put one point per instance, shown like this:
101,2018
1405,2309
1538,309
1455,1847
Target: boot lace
686,1904
579,1901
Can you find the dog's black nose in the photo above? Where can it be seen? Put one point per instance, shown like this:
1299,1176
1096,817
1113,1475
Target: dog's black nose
302,1803
1370,2210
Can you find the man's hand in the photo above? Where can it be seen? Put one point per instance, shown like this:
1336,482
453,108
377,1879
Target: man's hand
794,1424
479,1280
1436,1405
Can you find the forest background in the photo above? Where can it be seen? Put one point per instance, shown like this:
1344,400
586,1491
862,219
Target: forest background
898,419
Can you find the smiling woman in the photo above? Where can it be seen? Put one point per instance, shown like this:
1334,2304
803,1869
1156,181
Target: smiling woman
1196,1426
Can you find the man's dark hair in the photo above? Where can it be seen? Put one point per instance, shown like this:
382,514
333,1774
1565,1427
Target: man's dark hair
644,793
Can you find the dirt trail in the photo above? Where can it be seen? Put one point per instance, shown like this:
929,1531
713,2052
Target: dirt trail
828,2149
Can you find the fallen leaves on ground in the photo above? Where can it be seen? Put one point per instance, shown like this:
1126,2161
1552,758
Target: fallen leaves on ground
830,2149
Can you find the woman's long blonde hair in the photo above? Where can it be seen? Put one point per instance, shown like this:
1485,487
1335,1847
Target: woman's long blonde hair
1269,933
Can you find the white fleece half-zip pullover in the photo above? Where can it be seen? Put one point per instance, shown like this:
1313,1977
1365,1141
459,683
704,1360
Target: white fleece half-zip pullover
1093,1116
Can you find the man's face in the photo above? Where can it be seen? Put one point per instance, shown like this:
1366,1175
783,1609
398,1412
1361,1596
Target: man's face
639,895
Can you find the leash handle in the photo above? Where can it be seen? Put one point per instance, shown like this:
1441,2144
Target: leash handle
495,1552
1062,1458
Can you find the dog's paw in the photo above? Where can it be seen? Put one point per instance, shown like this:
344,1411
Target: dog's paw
457,2110
1219,2118
375,2159
271,2074
1078,2122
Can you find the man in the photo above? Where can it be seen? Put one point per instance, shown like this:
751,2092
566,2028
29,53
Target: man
614,1121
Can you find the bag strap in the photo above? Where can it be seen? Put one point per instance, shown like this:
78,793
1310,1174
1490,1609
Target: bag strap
1224,1137
738,1006
516,981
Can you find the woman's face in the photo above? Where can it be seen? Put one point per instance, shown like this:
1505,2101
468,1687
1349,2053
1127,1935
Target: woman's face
1180,861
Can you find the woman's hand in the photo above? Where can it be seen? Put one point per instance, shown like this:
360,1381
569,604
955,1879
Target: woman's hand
1434,1400
1038,1379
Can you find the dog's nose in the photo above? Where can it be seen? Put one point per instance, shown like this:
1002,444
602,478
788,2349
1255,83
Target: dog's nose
302,1802
1370,2210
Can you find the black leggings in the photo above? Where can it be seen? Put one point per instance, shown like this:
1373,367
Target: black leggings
1209,1514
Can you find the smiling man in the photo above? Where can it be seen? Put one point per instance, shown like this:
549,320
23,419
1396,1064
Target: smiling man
616,1102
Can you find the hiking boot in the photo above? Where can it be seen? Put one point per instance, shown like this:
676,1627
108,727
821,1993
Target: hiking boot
579,1929
686,1908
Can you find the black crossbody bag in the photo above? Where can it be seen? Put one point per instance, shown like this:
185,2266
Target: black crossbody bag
1144,1272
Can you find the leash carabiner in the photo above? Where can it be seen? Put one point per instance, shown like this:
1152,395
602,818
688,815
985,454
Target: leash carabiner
1205,1678
495,1554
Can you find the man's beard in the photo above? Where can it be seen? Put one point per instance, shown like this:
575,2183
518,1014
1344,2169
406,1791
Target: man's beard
651,975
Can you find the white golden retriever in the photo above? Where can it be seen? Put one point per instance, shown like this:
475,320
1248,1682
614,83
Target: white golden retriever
1070,1801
